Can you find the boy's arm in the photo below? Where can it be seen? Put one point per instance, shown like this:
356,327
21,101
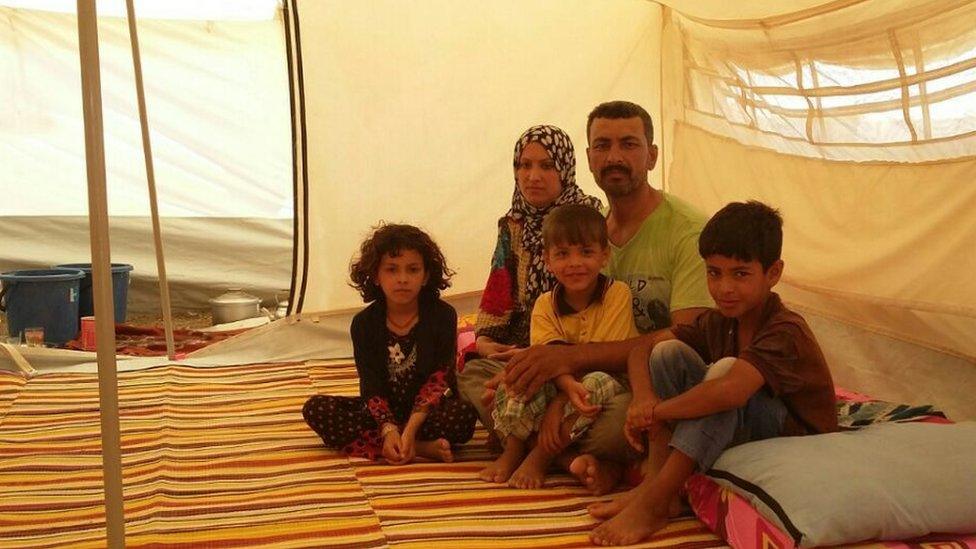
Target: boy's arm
638,369
577,394
728,392
550,435
686,316
640,412
564,382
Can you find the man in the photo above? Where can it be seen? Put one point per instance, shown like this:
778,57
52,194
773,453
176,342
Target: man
654,249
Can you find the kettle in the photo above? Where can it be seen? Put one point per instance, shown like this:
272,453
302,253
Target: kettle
281,307
234,305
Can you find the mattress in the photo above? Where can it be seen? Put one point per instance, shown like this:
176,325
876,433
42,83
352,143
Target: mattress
737,522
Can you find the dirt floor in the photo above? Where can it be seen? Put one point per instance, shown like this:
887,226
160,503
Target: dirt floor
191,320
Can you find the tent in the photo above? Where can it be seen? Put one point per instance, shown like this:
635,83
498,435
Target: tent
856,118
223,167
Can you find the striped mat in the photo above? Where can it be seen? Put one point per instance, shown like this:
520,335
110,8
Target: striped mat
220,457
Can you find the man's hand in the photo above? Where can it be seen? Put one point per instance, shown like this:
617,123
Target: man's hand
527,371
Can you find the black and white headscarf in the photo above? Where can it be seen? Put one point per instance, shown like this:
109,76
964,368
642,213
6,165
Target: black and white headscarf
560,149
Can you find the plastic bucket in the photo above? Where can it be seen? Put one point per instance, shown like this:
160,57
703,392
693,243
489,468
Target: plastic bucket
120,288
46,298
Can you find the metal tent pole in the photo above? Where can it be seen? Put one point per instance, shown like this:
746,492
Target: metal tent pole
108,397
151,179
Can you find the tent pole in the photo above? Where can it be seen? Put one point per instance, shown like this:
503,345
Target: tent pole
108,397
151,179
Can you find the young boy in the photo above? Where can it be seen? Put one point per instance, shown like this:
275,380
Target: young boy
768,377
584,306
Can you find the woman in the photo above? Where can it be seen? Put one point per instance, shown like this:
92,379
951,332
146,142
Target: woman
545,177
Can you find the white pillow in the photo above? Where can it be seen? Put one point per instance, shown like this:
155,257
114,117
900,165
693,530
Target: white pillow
888,481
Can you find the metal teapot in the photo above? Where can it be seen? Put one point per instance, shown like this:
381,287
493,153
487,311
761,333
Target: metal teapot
281,307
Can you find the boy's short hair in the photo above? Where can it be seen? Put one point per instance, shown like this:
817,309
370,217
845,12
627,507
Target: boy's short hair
621,109
574,224
746,231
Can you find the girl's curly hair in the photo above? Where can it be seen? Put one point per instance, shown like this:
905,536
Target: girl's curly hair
390,238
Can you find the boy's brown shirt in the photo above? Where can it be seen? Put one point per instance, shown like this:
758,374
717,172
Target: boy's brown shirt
785,352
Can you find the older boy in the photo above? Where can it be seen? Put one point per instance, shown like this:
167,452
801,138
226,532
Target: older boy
584,306
768,377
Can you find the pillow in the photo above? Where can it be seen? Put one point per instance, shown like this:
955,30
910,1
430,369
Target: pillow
888,481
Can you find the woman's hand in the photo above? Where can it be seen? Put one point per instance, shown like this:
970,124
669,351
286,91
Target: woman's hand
486,346
491,387
489,348
505,356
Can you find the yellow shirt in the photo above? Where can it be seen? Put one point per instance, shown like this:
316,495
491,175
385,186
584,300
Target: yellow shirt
609,317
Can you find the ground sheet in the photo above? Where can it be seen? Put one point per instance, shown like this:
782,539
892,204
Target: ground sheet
220,457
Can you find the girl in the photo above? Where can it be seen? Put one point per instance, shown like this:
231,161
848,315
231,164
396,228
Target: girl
404,346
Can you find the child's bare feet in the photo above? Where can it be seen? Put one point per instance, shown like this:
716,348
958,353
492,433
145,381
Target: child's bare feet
598,477
494,444
645,509
607,509
636,520
531,474
501,469
439,449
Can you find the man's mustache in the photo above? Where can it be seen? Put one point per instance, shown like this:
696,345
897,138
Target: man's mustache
615,169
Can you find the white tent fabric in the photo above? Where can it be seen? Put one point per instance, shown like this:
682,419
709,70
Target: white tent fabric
217,94
860,123
412,109
855,117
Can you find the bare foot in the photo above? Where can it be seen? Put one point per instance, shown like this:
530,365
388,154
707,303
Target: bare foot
501,469
679,508
531,474
439,449
599,478
635,522
607,509
494,444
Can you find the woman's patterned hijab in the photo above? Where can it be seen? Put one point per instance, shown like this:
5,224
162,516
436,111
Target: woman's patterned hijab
560,149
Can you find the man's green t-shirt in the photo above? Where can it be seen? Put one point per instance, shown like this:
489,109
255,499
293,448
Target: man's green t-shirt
662,266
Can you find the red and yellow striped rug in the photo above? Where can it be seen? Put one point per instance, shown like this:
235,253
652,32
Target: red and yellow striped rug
220,457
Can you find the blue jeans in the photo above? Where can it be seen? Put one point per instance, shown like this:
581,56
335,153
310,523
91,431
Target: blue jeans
675,368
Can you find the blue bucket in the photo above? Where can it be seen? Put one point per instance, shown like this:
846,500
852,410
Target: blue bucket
120,288
47,298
